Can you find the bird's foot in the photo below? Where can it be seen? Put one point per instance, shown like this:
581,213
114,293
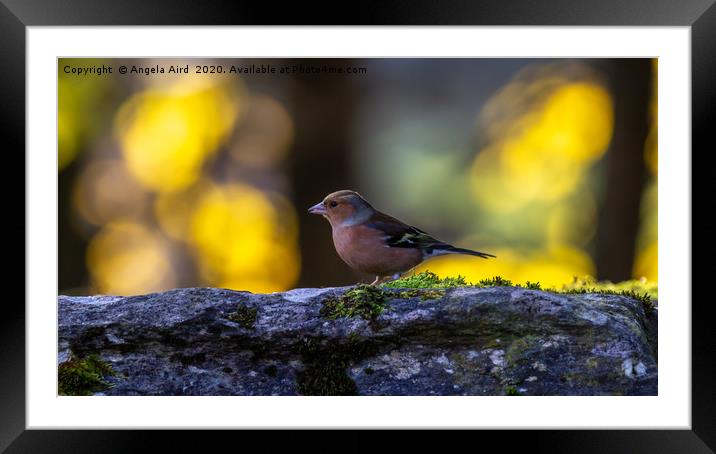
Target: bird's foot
381,279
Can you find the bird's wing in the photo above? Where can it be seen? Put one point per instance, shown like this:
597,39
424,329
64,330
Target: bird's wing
401,235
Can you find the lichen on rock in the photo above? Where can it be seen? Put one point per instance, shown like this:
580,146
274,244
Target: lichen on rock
244,316
366,301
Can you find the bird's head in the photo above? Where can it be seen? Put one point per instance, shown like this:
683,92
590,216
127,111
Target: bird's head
344,208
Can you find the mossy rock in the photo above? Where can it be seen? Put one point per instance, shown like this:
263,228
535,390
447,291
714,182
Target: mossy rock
463,340
83,376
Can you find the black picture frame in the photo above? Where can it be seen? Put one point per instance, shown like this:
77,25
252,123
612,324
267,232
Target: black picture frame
16,15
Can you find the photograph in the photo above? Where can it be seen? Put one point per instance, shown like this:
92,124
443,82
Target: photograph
473,217
357,226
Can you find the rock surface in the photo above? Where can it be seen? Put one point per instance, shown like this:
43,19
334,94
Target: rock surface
470,341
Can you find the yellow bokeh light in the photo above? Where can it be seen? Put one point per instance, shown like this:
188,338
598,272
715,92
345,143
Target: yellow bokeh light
535,173
542,133
167,135
67,137
542,154
81,104
174,210
577,122
243,241
552,267
647,263
126,258
489,186
651,152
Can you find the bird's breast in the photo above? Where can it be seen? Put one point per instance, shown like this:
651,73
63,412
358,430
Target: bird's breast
364,249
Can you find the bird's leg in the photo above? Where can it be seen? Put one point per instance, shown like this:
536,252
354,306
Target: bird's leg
380,279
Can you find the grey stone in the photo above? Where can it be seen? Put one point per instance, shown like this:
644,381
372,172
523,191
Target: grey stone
471,341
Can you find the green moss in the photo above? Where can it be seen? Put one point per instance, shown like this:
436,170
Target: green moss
366,301
326,365
423,294
570,377
427,279
640,290
83,376
517,347
592,285
244,316
496,281
644,299
512,391
326,379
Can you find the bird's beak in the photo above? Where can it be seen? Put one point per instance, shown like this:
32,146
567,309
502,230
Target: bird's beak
318,209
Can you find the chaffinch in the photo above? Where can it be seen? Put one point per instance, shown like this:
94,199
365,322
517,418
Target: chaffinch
373,242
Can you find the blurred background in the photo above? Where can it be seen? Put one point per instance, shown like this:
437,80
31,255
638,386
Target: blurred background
182,180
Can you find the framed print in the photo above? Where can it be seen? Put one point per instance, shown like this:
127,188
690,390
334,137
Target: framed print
359,227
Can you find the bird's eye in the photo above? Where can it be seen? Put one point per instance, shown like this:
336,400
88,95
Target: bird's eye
333,204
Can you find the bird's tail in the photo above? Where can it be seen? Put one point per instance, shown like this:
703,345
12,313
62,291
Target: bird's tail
448,249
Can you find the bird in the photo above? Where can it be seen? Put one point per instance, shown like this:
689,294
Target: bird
373,242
